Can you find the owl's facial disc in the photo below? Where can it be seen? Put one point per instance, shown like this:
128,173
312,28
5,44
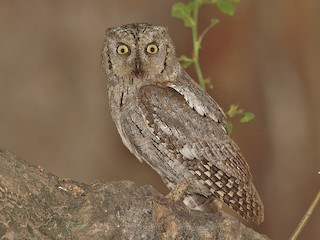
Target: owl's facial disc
139,50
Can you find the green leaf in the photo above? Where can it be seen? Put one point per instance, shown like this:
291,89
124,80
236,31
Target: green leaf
226,7
229,127
185,61
213,22
233,111
183,11
209,1
247,117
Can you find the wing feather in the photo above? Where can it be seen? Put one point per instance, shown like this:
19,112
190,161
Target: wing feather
193,135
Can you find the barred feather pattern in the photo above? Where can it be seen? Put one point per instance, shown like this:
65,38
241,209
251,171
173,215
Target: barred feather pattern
243,198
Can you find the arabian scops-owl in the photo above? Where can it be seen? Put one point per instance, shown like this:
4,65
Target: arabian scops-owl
166,120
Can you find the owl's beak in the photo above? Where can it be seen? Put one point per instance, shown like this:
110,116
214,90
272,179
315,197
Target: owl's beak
138,66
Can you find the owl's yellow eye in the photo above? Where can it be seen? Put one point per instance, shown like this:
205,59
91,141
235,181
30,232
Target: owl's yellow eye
122,49
152,48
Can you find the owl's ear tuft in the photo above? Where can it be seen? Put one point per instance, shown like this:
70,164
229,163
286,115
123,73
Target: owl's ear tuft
108,31
163,29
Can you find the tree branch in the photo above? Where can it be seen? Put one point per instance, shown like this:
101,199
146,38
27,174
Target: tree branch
36,204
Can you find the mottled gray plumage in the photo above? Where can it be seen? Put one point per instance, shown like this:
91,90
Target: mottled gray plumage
166,120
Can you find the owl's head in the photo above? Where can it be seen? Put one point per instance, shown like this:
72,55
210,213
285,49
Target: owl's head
138,51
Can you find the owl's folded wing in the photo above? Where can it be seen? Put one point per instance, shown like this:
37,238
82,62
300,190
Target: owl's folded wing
195,130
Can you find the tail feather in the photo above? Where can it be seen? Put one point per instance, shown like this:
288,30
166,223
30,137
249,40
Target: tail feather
240,196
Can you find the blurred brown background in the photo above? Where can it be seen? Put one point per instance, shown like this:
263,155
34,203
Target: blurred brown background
53,103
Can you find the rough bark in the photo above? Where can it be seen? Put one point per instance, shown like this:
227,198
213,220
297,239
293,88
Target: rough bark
36,204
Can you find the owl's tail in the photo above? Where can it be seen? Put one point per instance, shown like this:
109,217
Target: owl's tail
248,206
245,201
241,196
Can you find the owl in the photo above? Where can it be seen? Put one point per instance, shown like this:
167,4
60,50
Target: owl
166,120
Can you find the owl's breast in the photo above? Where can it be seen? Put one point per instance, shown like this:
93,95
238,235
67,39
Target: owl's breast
135,132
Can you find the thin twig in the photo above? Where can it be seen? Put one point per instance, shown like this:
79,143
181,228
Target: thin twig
306,217
196,46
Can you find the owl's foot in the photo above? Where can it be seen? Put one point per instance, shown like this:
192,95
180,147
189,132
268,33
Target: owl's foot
178,194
